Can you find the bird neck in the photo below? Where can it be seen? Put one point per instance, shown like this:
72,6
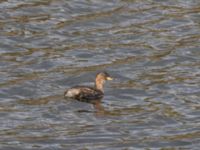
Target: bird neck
99,84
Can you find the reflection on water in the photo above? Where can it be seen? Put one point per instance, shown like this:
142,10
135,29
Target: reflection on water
150,47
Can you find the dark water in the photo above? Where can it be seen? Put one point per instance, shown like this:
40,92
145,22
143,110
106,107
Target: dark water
150,47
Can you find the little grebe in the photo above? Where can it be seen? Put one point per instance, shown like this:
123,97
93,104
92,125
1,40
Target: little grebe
85,93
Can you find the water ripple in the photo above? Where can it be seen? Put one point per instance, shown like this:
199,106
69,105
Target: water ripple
151,48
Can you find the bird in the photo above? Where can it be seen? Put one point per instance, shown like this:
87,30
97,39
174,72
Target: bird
87,93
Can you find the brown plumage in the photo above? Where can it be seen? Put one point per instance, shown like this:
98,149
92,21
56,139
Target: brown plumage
86,93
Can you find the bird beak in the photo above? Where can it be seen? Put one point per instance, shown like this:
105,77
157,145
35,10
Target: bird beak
109,78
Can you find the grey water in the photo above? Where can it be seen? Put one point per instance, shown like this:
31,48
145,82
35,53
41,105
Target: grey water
150,47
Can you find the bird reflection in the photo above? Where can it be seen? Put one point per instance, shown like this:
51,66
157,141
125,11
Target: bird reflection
97,105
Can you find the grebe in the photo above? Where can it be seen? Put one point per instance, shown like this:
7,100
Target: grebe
86,93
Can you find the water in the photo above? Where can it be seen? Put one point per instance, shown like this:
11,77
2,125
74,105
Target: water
150,47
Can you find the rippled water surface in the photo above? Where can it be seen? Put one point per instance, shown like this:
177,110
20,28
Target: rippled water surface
150,47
